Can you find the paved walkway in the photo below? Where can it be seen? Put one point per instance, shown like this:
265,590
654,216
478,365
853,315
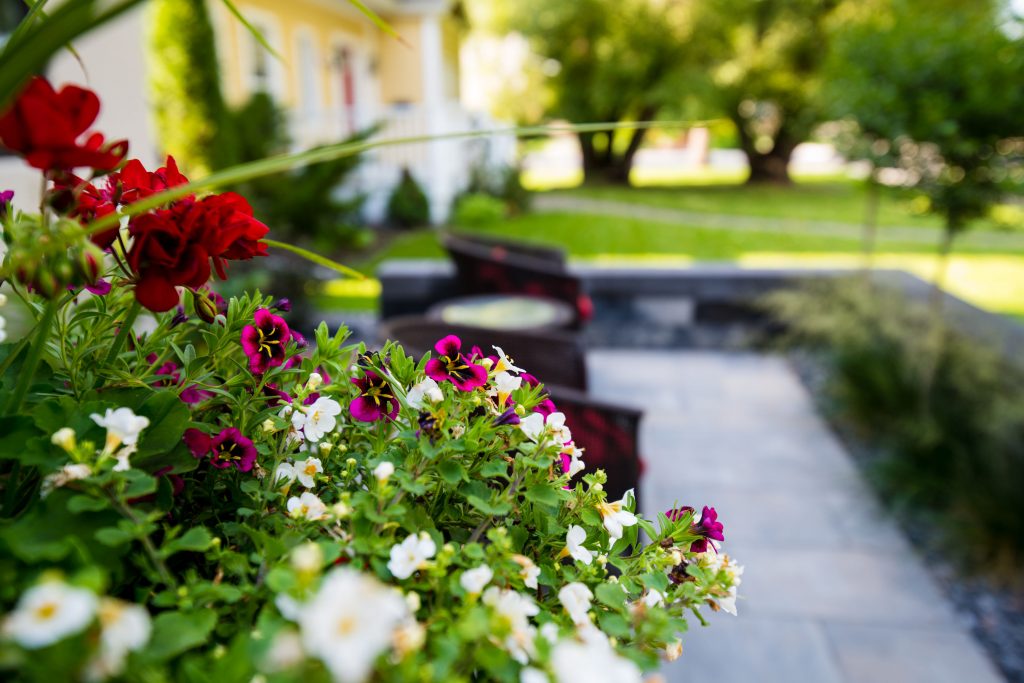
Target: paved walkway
886,234
832,593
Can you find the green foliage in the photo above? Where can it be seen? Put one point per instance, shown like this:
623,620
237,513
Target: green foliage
926,84
184,81
950,445
408,206
475,209
503,183
303,204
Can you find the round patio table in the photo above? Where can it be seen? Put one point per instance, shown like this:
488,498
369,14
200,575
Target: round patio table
504,312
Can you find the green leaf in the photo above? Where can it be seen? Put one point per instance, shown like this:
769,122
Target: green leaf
610,594
176,632
655,580
544,494
113,536
494,468
83,503
168,418
614,624
451,470
196,539
139,484
489,508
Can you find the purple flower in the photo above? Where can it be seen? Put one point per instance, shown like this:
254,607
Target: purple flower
283,305
452,366
376,399
179,317
706,526
5,202
227,449
192,394
509,417
264,343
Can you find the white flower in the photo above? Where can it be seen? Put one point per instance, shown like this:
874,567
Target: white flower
515,609
65,438
3,297
423,393
314,381
674,650
3,331
575,464
504,362
62,477
575,598
529,571
350,622
307,505
126,628
122,457
556,425
122,425
413,600
307,558
411,554
531,675
306,471
474,580
574,545
285,651
408,637
49,612
615,518
318,419
654,599
287,472
592,660
505,384
532,426
383,471
550,632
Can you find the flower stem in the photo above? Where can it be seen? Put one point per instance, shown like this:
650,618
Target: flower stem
35,353
122,334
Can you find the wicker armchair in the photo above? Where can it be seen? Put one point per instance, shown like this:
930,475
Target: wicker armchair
608,432
500,249
499,268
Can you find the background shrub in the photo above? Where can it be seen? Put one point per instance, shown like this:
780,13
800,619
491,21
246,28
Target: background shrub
408,206
477,209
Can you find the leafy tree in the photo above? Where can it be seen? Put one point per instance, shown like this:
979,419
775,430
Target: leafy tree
764,60
614,61
184,83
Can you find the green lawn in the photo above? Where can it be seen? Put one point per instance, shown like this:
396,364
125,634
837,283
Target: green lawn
993,280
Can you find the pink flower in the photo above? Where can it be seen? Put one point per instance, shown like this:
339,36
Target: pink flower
376,399
452,366
228,449
264,342
706,526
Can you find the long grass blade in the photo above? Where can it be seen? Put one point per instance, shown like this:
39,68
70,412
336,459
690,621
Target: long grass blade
315,258
378,22
260,38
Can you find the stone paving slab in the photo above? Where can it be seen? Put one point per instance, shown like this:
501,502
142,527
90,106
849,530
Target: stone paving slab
832,592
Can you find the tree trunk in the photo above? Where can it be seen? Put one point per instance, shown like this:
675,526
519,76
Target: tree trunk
936,300
604,166
767,167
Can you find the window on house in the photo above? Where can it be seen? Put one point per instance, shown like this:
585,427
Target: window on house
345,73
259,76
309,74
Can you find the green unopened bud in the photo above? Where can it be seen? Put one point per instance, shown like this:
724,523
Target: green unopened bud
89,263
205,308
46,283
63,268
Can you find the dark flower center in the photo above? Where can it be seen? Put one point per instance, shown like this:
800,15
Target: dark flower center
457,366
268,340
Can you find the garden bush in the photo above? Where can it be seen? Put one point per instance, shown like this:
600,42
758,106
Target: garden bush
408,206
473,210
951,447
192,491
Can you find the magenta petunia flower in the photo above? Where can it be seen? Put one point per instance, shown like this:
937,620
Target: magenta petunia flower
227,449
452,366
707,526
376,399
265,341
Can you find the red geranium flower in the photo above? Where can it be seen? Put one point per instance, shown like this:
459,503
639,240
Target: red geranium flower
45,126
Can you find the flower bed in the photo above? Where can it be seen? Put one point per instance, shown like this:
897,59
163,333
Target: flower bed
194,491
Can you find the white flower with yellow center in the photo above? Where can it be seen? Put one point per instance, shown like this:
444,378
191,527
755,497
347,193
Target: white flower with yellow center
423,394
473,581
317,419
532,426
65,438
314,381
528,572
575,463
575,598
408,637
49,612
307,506
383,471
504,363
536,426
723,563
411,555
285,474
515,609
123,427
307,558
574,539
126,628
349,622
615,518
306,471
504,384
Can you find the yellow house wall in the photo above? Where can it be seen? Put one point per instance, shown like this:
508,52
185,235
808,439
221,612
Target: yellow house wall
400,66
290,18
